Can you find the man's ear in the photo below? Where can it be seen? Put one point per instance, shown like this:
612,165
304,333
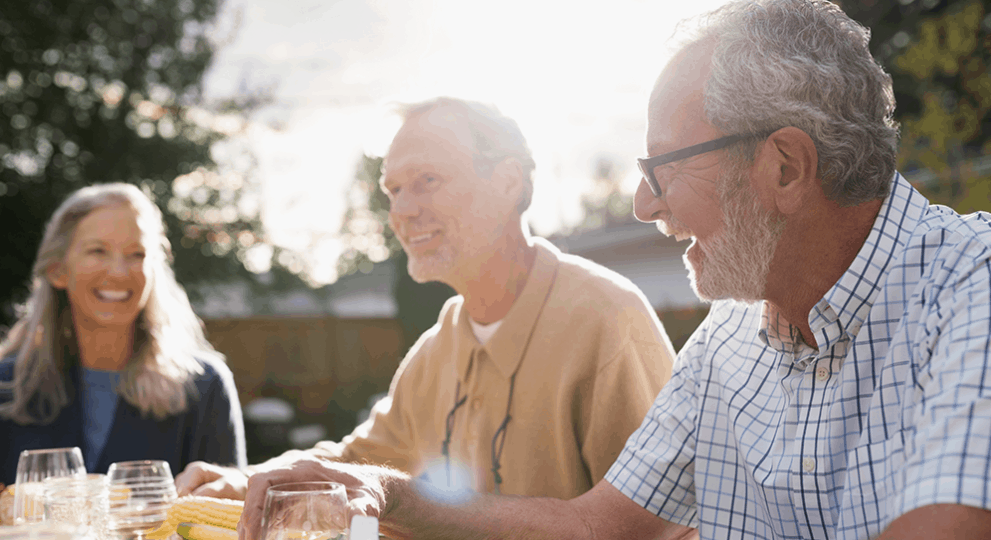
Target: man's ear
507,177
57,275
788,168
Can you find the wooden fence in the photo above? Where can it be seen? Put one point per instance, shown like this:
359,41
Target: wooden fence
326,367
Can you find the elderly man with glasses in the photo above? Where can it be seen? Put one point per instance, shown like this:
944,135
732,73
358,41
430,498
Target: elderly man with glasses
840,385
537,371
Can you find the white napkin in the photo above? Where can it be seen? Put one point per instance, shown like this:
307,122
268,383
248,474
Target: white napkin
364,528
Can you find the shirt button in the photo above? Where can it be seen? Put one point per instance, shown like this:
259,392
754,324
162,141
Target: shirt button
822,374
809,464
476,404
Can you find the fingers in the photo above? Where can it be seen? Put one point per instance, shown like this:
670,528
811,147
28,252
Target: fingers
361,503
210,480
224,488
250,526
193,476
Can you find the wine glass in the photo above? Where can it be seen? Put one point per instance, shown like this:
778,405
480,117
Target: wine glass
305,511
33,467
141,493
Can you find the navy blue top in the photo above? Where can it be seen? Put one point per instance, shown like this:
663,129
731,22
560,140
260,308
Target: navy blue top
211,429
100,399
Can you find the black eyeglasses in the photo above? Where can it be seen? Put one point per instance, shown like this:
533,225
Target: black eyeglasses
647,165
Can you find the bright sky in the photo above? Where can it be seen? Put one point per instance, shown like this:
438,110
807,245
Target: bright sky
575,75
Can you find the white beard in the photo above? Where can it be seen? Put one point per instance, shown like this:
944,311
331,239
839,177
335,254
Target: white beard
737,261
432,267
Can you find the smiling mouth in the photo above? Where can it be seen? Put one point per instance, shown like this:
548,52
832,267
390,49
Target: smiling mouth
423,238
678,233
112,296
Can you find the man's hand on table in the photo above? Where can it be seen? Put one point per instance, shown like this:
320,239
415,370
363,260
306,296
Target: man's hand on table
365,485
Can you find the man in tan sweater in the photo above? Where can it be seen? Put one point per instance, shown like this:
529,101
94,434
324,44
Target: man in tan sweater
541,367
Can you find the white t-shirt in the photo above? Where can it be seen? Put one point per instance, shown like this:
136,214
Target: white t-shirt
484,332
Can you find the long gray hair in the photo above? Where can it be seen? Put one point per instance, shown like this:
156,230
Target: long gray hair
167,335
804,63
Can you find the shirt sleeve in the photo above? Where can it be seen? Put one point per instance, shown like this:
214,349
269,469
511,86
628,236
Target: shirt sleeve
656,468
622,394
948,446
219,436
387,437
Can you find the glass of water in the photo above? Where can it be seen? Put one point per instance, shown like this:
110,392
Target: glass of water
141,493
305,511
33,467
81,502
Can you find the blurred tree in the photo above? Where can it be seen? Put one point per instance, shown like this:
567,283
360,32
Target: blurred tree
605,204
368,240
108,90
938,52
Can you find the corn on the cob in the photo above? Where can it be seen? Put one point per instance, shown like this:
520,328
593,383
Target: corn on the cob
191,531
223,513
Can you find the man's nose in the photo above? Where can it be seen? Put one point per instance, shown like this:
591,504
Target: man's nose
646,206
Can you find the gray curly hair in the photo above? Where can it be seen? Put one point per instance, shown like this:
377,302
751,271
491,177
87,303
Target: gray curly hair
804,63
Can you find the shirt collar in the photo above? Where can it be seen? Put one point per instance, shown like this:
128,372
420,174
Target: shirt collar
854,294
844,308
508,345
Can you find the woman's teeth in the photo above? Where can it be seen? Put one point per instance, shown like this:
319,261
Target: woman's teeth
112,296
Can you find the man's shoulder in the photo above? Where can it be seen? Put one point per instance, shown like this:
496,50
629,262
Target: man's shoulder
951,243
596,283
444,327
955,228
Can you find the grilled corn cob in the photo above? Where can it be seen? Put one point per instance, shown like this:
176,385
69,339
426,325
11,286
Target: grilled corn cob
224,513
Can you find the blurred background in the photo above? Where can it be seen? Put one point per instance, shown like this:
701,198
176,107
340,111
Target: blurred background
258,127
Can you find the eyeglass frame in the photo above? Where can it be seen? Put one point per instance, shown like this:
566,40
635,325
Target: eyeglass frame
648,164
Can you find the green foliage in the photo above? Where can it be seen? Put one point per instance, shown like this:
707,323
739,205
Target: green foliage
938,53
605,204
365,234
106,90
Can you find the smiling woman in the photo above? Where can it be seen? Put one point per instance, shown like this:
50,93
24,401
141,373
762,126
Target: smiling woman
108,355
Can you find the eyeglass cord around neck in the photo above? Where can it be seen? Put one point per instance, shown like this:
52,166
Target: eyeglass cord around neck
498,440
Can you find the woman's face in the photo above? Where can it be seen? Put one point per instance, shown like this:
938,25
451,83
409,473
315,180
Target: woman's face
104,272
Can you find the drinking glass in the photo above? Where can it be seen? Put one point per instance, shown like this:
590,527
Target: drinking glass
39,530
81,502
33,467
141,493
305,511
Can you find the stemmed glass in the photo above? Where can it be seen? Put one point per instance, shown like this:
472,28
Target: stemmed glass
33,467
141,493
305,511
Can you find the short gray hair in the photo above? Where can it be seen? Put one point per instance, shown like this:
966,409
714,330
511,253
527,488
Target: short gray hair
168,336
495,135
804,63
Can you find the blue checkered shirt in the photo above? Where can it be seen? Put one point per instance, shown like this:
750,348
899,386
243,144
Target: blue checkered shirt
758,435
